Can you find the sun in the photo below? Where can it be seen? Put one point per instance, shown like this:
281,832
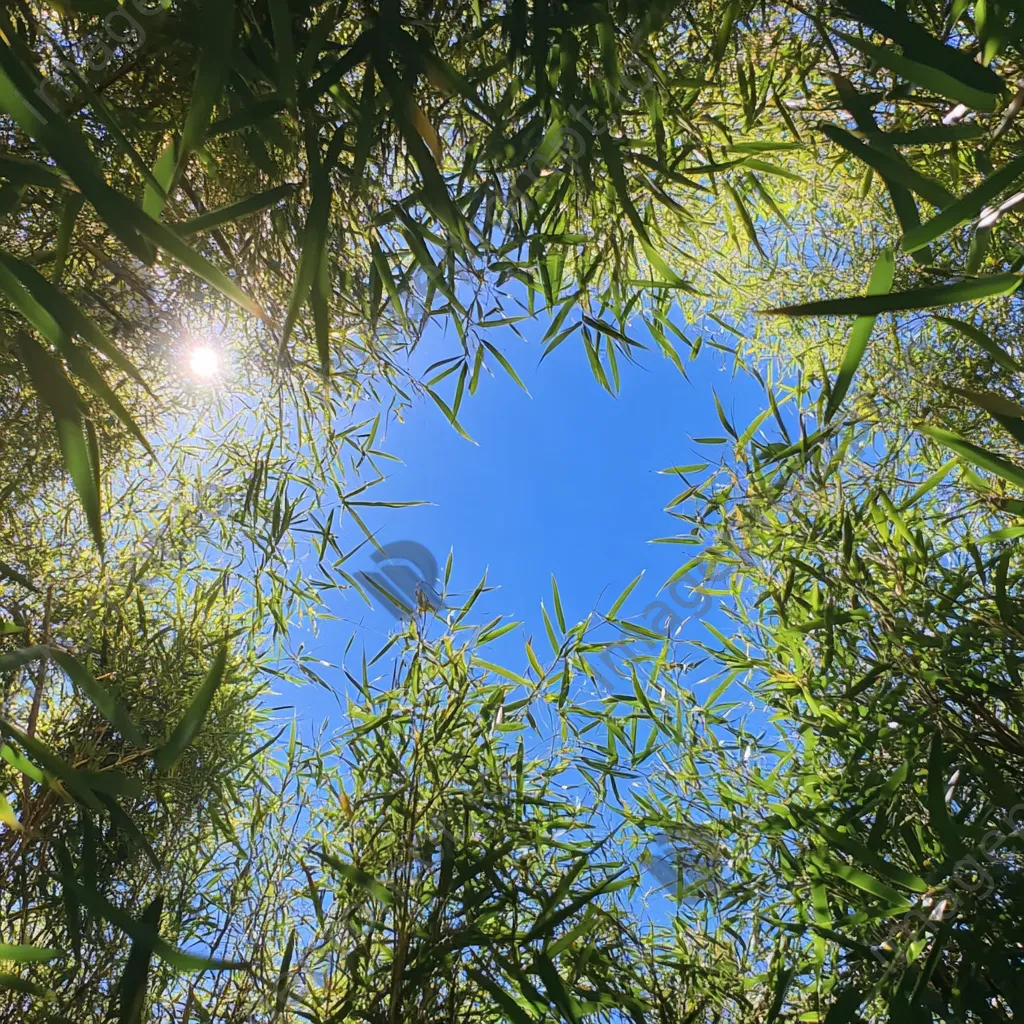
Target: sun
204,362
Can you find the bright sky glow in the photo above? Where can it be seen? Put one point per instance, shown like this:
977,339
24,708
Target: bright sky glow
204,362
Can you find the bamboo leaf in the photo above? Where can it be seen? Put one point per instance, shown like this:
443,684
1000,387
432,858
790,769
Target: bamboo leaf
103,700
891,166
358,877
236,211
155,197
29,954
978,336
65,403
217,41
283,977
134,978
314,243
879,283
976,455
284,43
934,79
187,729
915,39
971,290
966,208
72,207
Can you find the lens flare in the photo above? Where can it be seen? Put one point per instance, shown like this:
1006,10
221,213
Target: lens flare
204,362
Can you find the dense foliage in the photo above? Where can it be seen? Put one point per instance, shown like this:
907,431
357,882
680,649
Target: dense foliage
833,827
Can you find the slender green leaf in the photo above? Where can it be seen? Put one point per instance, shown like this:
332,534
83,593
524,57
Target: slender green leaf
187,729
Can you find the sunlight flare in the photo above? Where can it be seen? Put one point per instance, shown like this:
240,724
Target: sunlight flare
204,362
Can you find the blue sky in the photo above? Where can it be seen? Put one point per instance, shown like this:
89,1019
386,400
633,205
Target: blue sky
562,481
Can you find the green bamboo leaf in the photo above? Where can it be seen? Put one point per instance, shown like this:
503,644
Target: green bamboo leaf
764,147
903,203
556,988
891,166
505,364
217,41
170,242
51,763
978,336
556,598
617,173
971,290
236,211
68,147
931,483
7,815
284,43
155,197
316,41
111,123
283,978
621,599
22,170
84,681
501,671
939,819
13,983
819,905
69,215
756,164
382,264
365,125
869,859
29,954
1007,533
314,244
8,572
515,1013
135,977
436,196
52,312
966,208
251,114
783,979
992,402
101,698
555,917
587,925
21,764
350,59
844,1009
746,220
934,133
358,877
449,415
868,883
65,403
879,283
934,79
187,729
981,240
11,661
977,456
724,31
917,40
142,932
319,301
